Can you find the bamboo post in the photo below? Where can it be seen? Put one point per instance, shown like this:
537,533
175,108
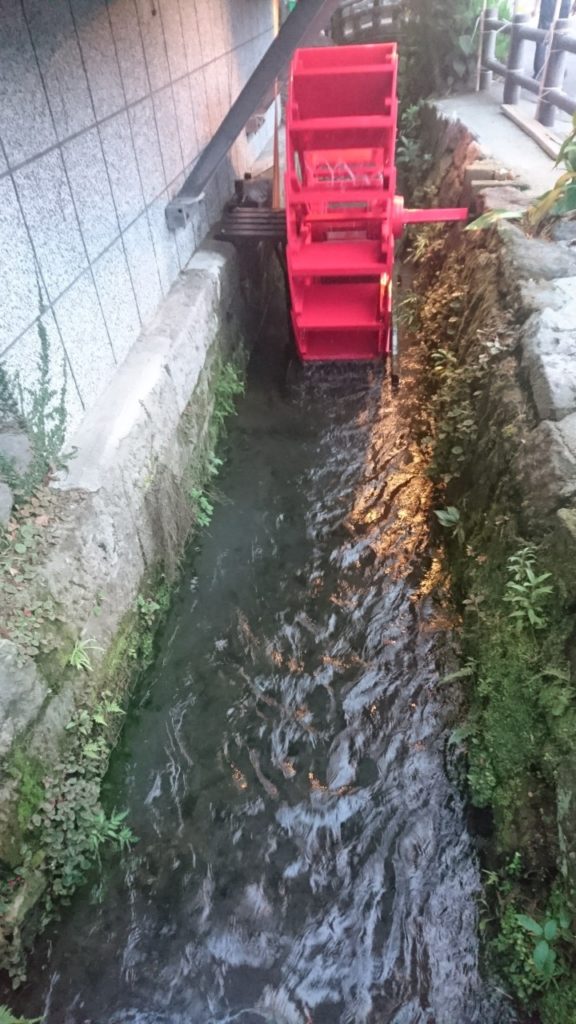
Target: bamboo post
516,58
553,73
488,47
480,44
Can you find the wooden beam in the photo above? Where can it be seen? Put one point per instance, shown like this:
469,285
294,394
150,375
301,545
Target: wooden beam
541,135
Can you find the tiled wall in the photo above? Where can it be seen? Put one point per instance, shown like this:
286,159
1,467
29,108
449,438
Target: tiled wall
104,106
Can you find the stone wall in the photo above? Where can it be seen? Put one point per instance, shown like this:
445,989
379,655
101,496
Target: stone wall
104,107
539,274
519,295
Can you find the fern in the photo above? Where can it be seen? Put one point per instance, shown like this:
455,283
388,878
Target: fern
7,1017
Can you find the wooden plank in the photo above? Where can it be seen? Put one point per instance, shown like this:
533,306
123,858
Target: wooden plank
541,135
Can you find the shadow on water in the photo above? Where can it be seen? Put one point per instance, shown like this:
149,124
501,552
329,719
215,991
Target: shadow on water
302,855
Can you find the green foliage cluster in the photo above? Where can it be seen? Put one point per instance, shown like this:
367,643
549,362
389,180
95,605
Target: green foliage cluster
228,386
439,45
7,1017
30,617
66,826
561,199
152,609
40,411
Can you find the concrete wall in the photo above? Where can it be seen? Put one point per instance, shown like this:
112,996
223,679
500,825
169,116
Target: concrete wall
104,107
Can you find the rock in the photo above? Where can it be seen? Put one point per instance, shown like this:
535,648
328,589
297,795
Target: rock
22,694
487,170
553,295
547,465
564,231
496,196
567,816
533,257
6,502
14,445
549,355
565,548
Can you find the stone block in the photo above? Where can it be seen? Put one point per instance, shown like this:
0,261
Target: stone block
164,242
173,35
26,125
22,694
547,295
122,168
18,284
91,191
6,503
191,35
15,446
153,39
147,148
486,170
205,31
99,54
129,49
60,61
142,264
170,147
547,465
564,543
496,196
548,343
186,242
566,804
200,104
185,119
49,211
85,338
533,258
117,299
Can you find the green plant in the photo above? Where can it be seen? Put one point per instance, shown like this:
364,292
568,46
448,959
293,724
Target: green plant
451,520
512,956
492,217
406,312
30,616
545,937
148,608
70,824
40,411
526,591
228,385
203,507
79,657
7,1017
561,199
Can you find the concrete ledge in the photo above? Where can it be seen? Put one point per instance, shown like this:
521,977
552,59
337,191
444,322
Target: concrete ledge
127,475
124,508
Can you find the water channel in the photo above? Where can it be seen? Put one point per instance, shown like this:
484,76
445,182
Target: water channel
302,855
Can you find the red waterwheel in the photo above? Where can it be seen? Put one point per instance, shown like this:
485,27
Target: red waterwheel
342,211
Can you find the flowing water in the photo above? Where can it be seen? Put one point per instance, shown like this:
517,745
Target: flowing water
303,857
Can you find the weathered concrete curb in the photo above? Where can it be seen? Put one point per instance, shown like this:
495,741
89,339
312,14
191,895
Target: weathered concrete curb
126,509
131,457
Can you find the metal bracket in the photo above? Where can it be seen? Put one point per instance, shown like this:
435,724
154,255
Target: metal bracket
179,210
293,32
